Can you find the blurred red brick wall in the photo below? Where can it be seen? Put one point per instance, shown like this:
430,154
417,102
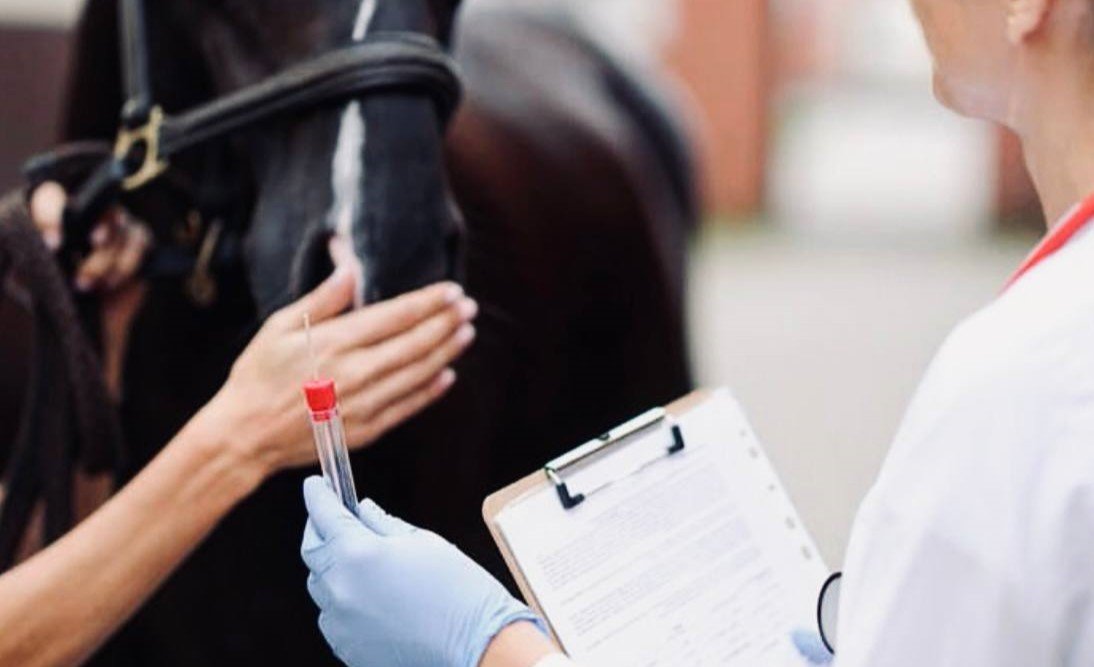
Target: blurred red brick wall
32,78
722,56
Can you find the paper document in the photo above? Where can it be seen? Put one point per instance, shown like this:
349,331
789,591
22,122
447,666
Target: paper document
695,559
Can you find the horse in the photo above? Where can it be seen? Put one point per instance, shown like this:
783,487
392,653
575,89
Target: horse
561,195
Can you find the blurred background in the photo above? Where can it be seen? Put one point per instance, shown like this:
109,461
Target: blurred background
850,221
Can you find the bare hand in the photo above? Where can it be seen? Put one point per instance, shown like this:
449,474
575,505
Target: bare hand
389,361
118,243
118,247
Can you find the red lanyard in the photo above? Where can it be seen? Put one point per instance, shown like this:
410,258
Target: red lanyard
1076,220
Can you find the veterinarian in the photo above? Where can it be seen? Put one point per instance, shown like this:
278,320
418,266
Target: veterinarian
975,547
390,361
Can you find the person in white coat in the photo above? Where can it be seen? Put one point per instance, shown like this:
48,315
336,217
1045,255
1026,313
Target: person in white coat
975,546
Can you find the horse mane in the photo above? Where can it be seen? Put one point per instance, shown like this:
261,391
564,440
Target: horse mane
68,420
644,97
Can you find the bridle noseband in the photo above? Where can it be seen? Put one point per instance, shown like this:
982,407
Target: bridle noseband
148,137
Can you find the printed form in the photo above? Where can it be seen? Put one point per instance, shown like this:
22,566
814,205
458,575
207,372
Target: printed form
698,559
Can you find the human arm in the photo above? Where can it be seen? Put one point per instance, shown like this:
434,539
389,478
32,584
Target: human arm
523,645
59,606
118,244
389,360
392,594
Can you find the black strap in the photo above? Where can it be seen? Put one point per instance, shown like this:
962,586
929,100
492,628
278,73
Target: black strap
134,59
96,194
148,138
383,62
389,60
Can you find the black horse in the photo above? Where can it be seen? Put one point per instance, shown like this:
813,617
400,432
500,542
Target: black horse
575,193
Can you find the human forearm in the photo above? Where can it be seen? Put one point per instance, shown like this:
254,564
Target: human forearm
59,606
518,645
389,359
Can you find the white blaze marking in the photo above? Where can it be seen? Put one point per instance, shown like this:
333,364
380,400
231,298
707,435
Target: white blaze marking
364,17
347,167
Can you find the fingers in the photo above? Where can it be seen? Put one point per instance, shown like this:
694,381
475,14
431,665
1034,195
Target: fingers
312,549
317,589
333,296
328,515
47,206
343,257
370,395
811,647
98,265
137,240
383,320
372,427
382,523
376,402
118,247
436,341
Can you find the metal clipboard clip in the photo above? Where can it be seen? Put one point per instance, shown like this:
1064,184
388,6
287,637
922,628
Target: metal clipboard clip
634,427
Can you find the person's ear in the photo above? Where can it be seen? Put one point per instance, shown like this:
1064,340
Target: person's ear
1025,18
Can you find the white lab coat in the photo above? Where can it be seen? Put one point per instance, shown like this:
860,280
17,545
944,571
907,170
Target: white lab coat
975,546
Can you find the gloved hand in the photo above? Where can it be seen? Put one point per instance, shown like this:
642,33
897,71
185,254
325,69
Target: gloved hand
391,595
811,647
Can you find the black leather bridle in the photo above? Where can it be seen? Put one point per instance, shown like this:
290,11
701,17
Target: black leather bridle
148,137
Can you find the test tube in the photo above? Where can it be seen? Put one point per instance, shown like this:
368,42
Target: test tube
330,440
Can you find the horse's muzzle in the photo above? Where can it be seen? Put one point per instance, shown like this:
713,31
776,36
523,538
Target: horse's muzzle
384,275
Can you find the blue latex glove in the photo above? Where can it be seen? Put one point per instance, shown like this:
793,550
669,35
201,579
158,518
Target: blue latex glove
811,647
391,595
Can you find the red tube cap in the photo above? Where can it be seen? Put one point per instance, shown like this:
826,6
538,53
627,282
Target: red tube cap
321,395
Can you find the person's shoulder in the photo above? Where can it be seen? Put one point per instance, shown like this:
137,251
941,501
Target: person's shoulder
1037,336
1027,360
1018,374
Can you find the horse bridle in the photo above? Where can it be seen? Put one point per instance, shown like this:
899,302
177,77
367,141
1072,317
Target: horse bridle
148,137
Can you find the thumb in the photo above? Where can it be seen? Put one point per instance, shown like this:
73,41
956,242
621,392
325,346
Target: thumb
330,298
382,523
328,516
47,206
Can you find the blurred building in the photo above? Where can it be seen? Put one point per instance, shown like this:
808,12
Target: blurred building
721,53
862,144
798,99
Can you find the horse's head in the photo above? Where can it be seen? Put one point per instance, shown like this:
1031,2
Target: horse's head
365,172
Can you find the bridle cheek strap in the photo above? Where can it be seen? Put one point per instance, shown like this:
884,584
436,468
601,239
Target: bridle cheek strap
385,62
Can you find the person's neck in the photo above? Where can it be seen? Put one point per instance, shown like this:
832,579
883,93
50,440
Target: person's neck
1057,133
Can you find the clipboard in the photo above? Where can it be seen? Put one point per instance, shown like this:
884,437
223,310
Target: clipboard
665,541
552,475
